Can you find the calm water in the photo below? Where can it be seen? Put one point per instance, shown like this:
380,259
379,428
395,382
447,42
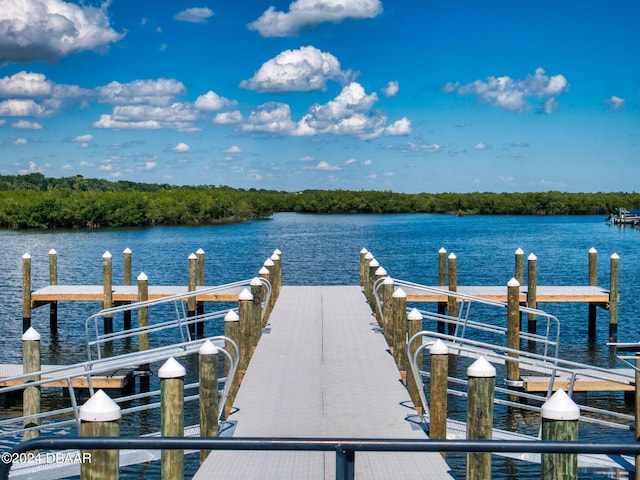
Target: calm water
325,250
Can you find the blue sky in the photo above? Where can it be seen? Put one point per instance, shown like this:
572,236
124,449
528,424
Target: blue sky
409,95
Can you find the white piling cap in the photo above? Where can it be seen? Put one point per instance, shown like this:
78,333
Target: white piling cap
30,335
245,294
399,293
481,369
126,250
615,256
192,256
275,257
26,256
200,252
364,251
532,257
142,277
368,256
264,271
414,315
560,407
374,263
208,348
513,283
231,316
388,281
171,369
268,263
277,252
100,408
439,348
255,282
519,251
381,272
593,250
442,250
52,252
107,254
452,256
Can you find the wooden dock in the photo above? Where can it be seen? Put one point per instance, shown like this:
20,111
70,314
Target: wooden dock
620,380
322,370
118,380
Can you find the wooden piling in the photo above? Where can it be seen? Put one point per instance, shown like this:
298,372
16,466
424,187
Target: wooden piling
532,288
480,392
513,331
387,324
452,303
143,322
560,416
99,417
442,282
107,282
439,368
414,325
191,287
365,270
399,319
126,270
171,376
26,292
245,312
593,281
381,274
363,252
53,280
371,278
31,395
273,279
200,283
614,297
232,331
519,270
277,263
265,274
208,377
257,291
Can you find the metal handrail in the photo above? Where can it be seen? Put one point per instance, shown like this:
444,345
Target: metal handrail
345,448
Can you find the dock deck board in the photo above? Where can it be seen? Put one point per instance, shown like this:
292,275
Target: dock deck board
323,371
544,294
118,380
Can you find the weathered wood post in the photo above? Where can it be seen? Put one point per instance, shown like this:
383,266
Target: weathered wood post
265,274
126,260
143,322
387,293
208,376
442,282
232,331
99,417
273,279
399,316
513,331
453,286
438,390
171,376
245,312
277,263
365,271
371,278
593,282
532,291
614,297
560,416
191,287
481,389
519,270
256,322
31,395
381,274
107,283
26,292
363,252
200,283
53,280
414,325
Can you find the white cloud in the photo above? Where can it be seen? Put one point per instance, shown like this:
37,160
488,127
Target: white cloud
21,108
351,161
301,70
481,146
211,101
20,141
272,117
181,148
194,15
233,150
83,138
392,89
47,30
307,158
616,102
25,85
513,95
178,116
26,125
153,92
325,166
308,13
228,118
399,127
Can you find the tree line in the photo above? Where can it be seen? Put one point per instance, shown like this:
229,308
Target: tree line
36,201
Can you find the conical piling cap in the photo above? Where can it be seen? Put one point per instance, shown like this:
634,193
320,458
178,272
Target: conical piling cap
560,407
100,408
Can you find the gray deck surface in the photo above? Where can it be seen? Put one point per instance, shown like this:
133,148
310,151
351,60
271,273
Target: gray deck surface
323,370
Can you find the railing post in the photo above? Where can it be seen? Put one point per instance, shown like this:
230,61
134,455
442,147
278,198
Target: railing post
453,286
232,331
387,315
560,416
381,273
442,282
126,253
99,418
245,312
363,252
513,331
593,281
26,292
53,280
532,291
31,395
481,388
345,463
107,282
438,391
143,322
208,376
614,297
414,325
519,270
399,315
191,287
172,416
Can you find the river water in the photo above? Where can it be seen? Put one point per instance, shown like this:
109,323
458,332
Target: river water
324,249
